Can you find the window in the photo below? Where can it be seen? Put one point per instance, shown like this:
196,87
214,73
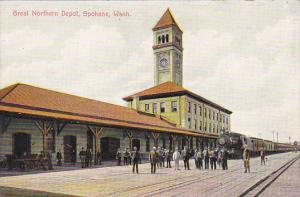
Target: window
209,127
205,113
174,106
164,143
200,126
205,126
217,116
195,124
162,107
189,123
147,144
220,117
213,115
146,107
163,39
223,119
209,113
200,110
159,39
167,38
154,108
195,109
213,128
189,107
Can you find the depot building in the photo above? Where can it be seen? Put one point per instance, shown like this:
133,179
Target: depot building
168,115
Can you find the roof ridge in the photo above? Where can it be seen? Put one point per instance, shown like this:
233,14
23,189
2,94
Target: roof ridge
10,89
73,95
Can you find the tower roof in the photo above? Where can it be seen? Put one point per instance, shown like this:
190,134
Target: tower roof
166,20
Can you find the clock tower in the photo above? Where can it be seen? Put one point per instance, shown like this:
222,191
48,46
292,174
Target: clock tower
167,48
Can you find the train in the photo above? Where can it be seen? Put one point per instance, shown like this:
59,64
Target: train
236,142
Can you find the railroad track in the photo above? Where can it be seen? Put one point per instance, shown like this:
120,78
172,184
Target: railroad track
173,184
264,183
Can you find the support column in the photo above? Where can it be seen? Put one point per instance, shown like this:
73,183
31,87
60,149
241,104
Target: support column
174,140
4,122
130,137
44,127
97,132
155,137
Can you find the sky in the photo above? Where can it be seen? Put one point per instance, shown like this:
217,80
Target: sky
243,55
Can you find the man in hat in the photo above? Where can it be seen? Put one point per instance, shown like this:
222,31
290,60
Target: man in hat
176,158
153,159
246,157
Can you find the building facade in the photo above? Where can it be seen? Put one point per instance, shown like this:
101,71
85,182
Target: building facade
34,119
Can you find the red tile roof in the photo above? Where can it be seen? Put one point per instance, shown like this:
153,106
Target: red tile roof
166,20
171,89
30,100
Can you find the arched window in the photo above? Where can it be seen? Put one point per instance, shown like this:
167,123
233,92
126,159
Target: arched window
167,38
163,38
159,39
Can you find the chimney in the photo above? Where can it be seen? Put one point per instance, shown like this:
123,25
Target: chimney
135,103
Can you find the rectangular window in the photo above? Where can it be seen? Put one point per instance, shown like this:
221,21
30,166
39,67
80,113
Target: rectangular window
146,107
174,106
205,113
209,113
205,126
195,109
154,108
195,124
200,110
213,115
217,117
200,126
189,123
162,107
147,144
209,127
189,107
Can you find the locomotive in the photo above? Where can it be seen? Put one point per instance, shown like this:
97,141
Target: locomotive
236,142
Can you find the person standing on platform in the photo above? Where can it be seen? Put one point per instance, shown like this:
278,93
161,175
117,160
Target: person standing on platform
98,158
195,157
82,155
262,157
199,157
246,157
153,156
135,160
125,155
119,156
59,158
129,156
169,158
87,158
176,158
224,159
206,158
186,157
219,157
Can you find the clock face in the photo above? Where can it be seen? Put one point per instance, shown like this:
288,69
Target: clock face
163,62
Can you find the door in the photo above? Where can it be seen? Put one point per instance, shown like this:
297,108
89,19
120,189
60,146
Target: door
21,144
109,147
136,143
70,149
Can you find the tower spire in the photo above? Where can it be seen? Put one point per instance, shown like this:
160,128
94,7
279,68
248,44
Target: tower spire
166,20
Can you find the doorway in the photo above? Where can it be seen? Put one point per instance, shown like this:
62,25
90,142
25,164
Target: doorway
109,147
70,149
22,144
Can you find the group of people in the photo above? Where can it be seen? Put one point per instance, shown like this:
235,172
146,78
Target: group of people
210,158
86,158
129,157
45,161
